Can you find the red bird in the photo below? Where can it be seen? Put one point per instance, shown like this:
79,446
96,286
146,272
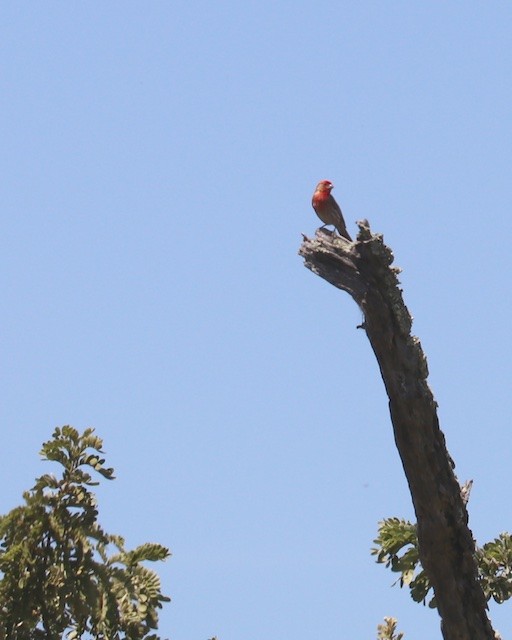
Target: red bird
327,209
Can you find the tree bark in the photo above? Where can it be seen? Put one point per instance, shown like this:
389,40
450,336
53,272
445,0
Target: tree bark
447,549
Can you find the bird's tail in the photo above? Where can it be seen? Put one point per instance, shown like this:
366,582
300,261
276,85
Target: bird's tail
342,230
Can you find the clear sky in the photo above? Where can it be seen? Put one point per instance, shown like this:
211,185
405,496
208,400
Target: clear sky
158,160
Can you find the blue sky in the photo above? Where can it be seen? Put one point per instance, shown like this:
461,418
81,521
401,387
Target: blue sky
158,160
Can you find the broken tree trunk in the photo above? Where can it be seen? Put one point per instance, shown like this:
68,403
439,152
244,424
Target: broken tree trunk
363,269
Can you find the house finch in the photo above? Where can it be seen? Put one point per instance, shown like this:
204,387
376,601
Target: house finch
327,209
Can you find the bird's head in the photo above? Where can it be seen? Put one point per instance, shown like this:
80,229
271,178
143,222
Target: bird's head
324,185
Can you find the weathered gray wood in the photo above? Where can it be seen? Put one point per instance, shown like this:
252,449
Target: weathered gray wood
363,269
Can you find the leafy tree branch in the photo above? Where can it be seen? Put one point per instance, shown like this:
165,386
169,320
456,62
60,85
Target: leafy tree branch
397,548
61,573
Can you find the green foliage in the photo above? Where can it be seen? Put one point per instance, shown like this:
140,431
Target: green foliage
394,536
387,630
61,574
494,561
495,566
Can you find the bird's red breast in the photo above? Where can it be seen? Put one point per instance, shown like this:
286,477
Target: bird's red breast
322,194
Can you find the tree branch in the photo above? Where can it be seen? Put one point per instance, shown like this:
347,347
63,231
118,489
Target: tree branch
363,269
